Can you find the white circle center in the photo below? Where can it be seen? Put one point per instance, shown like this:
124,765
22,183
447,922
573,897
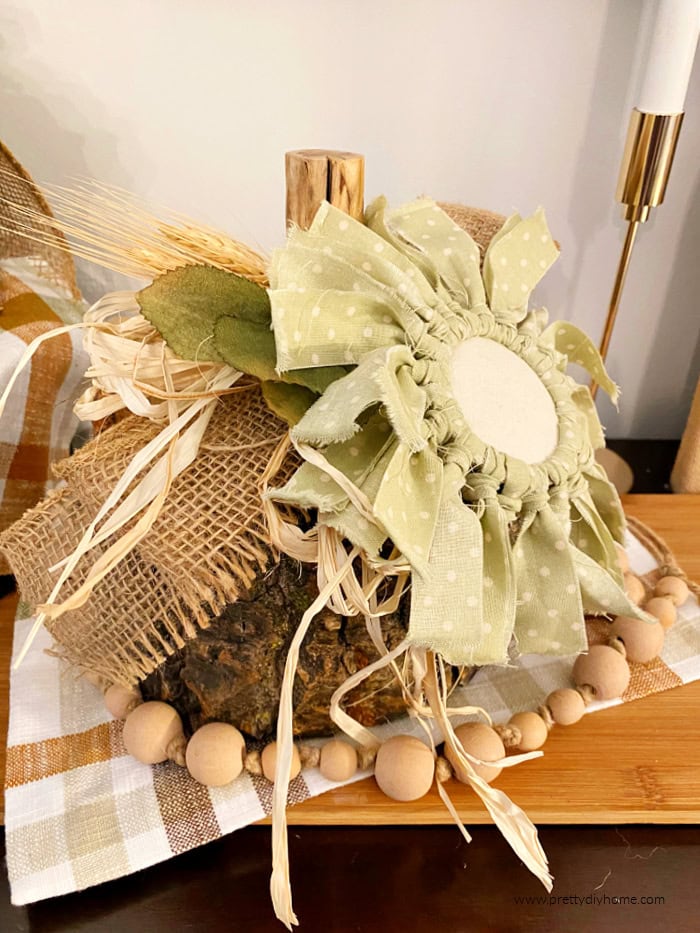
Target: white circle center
503,400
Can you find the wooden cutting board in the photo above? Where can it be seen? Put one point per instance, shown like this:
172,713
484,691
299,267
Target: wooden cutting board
638,763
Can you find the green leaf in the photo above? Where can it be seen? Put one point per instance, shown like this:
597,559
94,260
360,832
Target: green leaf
250,347
317,379
184,305
288,402
247,345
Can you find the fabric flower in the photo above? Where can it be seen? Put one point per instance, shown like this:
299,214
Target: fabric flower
497,546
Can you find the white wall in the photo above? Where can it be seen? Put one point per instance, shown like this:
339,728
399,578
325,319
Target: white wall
502,104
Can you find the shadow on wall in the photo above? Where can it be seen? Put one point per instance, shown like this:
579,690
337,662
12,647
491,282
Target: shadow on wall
58,123
661,405
677,327
591,203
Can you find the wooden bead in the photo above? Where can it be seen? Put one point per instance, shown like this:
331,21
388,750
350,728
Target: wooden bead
642,640
623,560
120,701
150,730
215,753
338,760
533,731
566,706
604,670
268,760
662,608
404,768
674,588
481,741
634,588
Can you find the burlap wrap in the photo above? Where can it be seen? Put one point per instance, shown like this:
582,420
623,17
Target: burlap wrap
18,190
209,542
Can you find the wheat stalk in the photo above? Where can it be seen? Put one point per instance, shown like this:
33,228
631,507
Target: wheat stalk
115,229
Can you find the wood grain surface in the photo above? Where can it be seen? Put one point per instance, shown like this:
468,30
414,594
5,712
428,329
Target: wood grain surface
636,763
316,175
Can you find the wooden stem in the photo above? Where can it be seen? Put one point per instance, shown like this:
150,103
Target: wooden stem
316,175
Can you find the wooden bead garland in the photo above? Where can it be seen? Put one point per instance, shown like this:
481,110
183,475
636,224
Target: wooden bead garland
443,770
533,731
120,700
338,760
268,761
674,588
309,755
481,741
405,767
153,733
508,733
214,755
634,588
662,608
642,640
566,706
604,669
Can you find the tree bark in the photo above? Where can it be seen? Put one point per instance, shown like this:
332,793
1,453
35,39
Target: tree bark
232,672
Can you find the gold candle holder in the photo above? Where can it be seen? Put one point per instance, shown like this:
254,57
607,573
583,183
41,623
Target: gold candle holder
646,166
646,163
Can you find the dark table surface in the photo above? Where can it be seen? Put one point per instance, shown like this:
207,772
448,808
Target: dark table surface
413,879
651,461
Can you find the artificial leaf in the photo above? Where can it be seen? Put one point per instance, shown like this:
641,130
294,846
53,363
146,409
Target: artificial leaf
288,402
317,379
246,345
184,305
250,346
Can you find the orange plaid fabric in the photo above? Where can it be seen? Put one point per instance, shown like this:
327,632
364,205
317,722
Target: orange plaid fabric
38,423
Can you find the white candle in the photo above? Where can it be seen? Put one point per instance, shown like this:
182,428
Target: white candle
667,70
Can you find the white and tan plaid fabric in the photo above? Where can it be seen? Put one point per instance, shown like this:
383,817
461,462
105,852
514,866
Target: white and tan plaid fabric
79,811
38,423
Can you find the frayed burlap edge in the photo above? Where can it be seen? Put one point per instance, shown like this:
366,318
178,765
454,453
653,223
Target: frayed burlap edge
19,189
206,548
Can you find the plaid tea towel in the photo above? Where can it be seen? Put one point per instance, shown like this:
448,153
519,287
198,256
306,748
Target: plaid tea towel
38,423
38,293
79,811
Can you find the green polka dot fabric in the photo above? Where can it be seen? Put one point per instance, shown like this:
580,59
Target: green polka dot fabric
497,547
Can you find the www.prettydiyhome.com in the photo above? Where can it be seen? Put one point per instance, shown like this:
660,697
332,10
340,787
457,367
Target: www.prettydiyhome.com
595,900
